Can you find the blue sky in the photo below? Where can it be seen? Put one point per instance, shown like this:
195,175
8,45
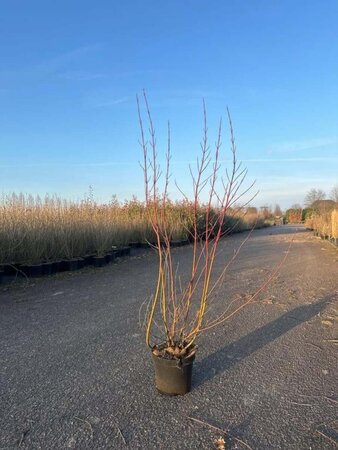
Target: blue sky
70,70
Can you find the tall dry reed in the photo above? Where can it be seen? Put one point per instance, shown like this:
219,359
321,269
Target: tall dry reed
34,229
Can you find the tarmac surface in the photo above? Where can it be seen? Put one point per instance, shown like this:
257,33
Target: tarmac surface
75,372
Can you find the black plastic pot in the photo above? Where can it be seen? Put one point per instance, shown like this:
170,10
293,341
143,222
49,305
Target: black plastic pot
109,257
10,269
144,245
117,253
173,377
80,263
135,245
47,268
99,261
88,260
125,251
69,264
180,243
56,266
2,274
32,270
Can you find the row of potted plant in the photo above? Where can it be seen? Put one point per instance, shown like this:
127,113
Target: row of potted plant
51,267
71,264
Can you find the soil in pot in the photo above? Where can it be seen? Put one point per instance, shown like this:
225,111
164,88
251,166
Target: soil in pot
173,376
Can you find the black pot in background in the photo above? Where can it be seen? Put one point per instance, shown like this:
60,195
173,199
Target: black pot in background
47,268
99,261
10,269
117,252
135,245
69,264
173,377
2,274
56,266
32,270
180,243
125,251
88,260
109,257
144,245
81,263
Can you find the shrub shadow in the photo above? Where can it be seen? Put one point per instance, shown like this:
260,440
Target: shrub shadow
230,355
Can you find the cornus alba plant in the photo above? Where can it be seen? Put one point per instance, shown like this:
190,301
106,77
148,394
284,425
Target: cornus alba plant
179,312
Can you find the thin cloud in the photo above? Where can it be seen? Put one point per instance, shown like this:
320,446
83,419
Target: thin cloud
268,160
113,102
298,146
53,164
50,65
273,160
80,76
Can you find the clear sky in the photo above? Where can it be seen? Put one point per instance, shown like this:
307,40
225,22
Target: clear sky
70,70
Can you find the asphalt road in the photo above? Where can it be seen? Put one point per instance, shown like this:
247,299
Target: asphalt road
75,372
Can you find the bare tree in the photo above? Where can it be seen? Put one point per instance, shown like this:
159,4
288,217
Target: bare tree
180,310
334,193
314,195
277,211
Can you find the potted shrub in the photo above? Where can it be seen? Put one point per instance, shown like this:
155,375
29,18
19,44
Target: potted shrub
181,312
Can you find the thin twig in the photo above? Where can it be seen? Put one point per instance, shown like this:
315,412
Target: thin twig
299,404
201,422
119,432
24,434
327,437
314,345
87,423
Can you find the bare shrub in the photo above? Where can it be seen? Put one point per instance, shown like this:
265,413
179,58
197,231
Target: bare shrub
178,311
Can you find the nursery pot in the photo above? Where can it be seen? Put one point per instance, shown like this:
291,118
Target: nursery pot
88,260
70,264
32,270
99,261
109,257
47,268
173,377
125,251
10,269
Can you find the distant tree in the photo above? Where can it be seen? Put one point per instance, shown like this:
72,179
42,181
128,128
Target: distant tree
293,215
334,193
323,206
266,212
307,213
251,210
296,206
314,195
277,212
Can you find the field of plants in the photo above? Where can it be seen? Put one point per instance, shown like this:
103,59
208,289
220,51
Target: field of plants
34,229
324,224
